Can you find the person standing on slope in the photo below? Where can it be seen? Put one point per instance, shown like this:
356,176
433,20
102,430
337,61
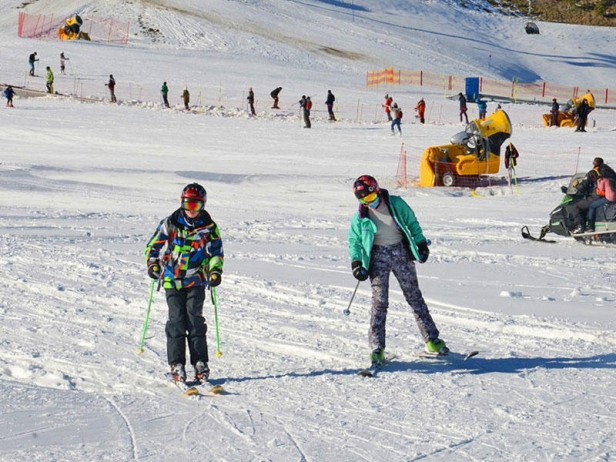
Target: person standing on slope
329,102
165,91
186,98
305,104
63,60
421,110
9,93
251,101
388,101
385,237
49,80
582,112
397,119
185,253
274,94
554,113
482,107
31,60
463,107
111,85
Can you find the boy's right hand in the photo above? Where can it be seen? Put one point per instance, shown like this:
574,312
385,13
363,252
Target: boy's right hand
154,270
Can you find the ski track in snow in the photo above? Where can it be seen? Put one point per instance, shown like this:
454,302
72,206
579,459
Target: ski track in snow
84,185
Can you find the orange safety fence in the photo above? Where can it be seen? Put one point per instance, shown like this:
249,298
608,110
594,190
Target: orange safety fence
514,89
99,29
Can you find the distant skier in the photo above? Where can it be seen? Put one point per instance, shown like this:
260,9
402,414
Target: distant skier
165,91
329,102
396,120
554,112
482,106
63,60
463,108
111,85
582,115
8,94
385,237
251,101
388,101
185,254
32,59
274,94
186,98
49,80
306,105
421,110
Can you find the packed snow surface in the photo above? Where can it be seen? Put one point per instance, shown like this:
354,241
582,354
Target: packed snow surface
84,185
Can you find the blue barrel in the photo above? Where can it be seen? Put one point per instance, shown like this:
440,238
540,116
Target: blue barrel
472,88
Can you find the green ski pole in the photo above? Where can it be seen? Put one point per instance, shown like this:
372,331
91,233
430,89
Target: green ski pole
147,318
215,302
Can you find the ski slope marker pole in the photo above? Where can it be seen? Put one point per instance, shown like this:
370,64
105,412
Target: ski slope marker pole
215,302
348,310
147,318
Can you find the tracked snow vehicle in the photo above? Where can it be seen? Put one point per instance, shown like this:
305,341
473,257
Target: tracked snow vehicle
561,219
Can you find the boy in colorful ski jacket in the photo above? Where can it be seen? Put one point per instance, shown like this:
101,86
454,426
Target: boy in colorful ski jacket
386,237
186,255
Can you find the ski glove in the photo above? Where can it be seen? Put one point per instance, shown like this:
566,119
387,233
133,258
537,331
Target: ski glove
423,250
215,278
360,273
154,270
564,189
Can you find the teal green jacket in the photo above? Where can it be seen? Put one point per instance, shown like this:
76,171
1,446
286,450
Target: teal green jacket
363,229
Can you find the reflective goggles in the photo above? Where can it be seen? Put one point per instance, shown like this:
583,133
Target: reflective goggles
369,199
192,205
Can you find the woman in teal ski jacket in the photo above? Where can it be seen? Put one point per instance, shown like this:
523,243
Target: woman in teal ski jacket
385,237
363,229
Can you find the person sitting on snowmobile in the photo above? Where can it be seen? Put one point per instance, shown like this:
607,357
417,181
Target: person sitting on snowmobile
587,189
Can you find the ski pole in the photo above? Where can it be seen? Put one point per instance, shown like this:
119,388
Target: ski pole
147,318
348,310
215,302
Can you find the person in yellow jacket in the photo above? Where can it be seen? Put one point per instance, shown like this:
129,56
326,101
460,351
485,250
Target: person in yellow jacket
49,80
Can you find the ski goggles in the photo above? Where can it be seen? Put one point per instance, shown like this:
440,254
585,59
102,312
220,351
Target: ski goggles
192,205
369,199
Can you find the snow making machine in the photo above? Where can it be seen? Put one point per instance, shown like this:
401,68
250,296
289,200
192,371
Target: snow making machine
470,154
71,29
567,118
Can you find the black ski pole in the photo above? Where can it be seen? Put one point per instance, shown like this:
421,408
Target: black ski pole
348,310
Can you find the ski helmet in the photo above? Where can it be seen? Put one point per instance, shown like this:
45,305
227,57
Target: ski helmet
194,197
194,191
364,186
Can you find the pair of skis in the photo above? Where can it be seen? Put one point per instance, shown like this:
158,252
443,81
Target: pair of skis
373,370
195,388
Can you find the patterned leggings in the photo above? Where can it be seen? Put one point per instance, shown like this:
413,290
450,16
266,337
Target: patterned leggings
396,259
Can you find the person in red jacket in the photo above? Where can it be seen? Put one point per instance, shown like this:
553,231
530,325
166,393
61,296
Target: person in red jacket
421,110
388,101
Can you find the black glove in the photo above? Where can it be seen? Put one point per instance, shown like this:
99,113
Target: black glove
564,189
215,278
360,273
424,251
154,270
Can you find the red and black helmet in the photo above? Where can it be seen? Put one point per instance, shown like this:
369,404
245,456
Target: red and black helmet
364,186
195,192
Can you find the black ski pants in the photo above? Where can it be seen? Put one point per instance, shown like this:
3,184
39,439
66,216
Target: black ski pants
186,323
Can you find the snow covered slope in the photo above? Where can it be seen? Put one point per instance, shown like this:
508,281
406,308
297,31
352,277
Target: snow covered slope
83,186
